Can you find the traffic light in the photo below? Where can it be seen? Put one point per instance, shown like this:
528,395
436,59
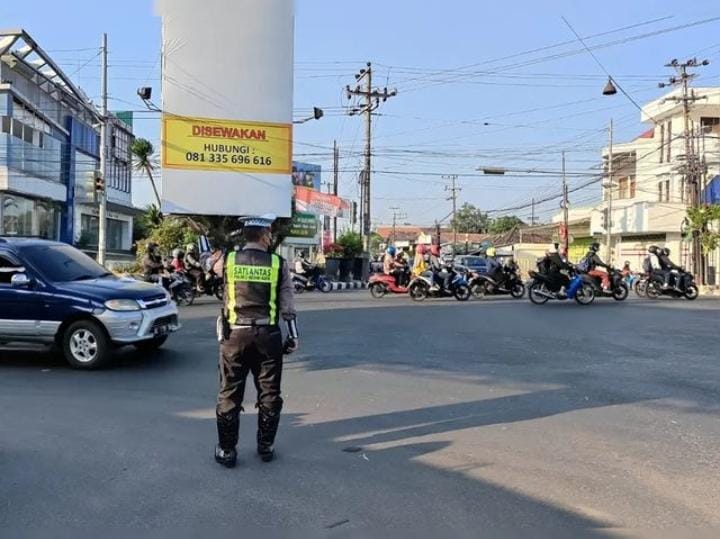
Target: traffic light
99,182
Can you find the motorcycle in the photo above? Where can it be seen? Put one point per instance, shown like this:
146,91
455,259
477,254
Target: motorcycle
381,284
688,289
482,284
421,287
214,286
181,288
578,289
302,283
618,290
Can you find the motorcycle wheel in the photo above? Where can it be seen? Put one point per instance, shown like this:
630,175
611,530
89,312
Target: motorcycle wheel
378,290
299,288
518,290
692,292
220,291
620,293
325,286
418,292
478,290
652,290
462,293
185,297
585,295
533,295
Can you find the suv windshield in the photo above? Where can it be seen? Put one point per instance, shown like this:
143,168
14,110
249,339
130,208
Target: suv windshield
63,263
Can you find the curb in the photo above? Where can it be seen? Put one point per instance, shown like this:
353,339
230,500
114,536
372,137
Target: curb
354,285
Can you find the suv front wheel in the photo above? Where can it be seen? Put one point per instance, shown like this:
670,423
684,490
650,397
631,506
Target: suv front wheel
85,345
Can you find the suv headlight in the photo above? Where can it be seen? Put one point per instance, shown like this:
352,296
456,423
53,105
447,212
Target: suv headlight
122,305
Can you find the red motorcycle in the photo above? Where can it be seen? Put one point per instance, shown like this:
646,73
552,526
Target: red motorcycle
380,285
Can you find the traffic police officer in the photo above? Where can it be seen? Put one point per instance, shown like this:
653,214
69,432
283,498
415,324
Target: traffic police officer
258,292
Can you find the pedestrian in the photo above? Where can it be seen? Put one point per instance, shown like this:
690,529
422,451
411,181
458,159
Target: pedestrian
258,292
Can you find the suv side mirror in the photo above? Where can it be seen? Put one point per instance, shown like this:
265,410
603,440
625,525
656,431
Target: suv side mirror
20,280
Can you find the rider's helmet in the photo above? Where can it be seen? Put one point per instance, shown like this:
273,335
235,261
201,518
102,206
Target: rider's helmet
435,250
627,263
666,251
390,250
151,247
653,249
595,247
302,254
490,252
552,249
420,249
191,247
178,253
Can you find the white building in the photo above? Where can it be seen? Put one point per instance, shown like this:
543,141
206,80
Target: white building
649,194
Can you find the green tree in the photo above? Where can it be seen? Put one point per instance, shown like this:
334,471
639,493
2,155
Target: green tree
351,243
143,151
504,224
470,220
700,222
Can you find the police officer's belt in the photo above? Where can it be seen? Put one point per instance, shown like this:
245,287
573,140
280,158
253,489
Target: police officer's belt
249,322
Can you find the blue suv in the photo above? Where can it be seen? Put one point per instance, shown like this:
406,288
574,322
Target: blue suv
52,293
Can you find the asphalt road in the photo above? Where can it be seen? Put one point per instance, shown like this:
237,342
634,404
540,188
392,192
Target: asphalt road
484,415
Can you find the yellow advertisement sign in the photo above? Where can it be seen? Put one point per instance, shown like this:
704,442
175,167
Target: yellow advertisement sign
226,145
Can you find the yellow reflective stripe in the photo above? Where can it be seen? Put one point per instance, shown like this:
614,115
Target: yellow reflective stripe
275,278
230,288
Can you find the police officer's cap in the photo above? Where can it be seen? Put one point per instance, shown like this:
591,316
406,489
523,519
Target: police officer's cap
261,221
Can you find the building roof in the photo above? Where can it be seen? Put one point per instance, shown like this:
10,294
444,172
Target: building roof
650,133
17,49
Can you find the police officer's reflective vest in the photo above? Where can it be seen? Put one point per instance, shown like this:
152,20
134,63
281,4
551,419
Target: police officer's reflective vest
252,278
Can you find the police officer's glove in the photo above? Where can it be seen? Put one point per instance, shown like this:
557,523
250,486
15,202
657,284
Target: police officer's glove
291,345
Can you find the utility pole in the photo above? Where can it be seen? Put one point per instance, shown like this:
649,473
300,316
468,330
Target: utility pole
566,238
336,168
453,196
370,101
693,165
532,213
609,187
397,214
102,194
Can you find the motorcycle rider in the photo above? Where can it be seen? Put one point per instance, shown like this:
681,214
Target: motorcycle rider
440,273
152,264
178,262
419,264
493,269
554,267
302,265
391,265
592,261
194,266
671,269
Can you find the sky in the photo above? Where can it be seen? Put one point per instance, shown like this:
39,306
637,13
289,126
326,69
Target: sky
470,94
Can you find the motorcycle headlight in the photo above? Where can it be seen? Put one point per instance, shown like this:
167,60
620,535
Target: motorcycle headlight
122,305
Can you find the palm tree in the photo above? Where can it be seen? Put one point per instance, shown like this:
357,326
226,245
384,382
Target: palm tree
143,150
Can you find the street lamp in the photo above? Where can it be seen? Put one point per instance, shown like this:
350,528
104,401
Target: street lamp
609,88
316,115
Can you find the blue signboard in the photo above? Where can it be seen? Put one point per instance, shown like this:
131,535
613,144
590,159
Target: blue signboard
307,175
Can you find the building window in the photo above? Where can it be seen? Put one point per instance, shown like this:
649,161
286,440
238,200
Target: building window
633,186
662,142
26,217
710,125
669,141
116,232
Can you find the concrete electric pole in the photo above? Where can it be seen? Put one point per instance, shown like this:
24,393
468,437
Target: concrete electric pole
371,98
692,167
336,169
102,193
566,237
454,190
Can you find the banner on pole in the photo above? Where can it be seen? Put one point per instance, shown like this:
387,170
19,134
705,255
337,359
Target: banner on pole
309,200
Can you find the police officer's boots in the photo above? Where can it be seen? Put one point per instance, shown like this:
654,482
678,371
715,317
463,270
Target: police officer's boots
268,422
228,427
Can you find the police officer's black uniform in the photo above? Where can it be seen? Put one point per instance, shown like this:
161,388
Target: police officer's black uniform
258,292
